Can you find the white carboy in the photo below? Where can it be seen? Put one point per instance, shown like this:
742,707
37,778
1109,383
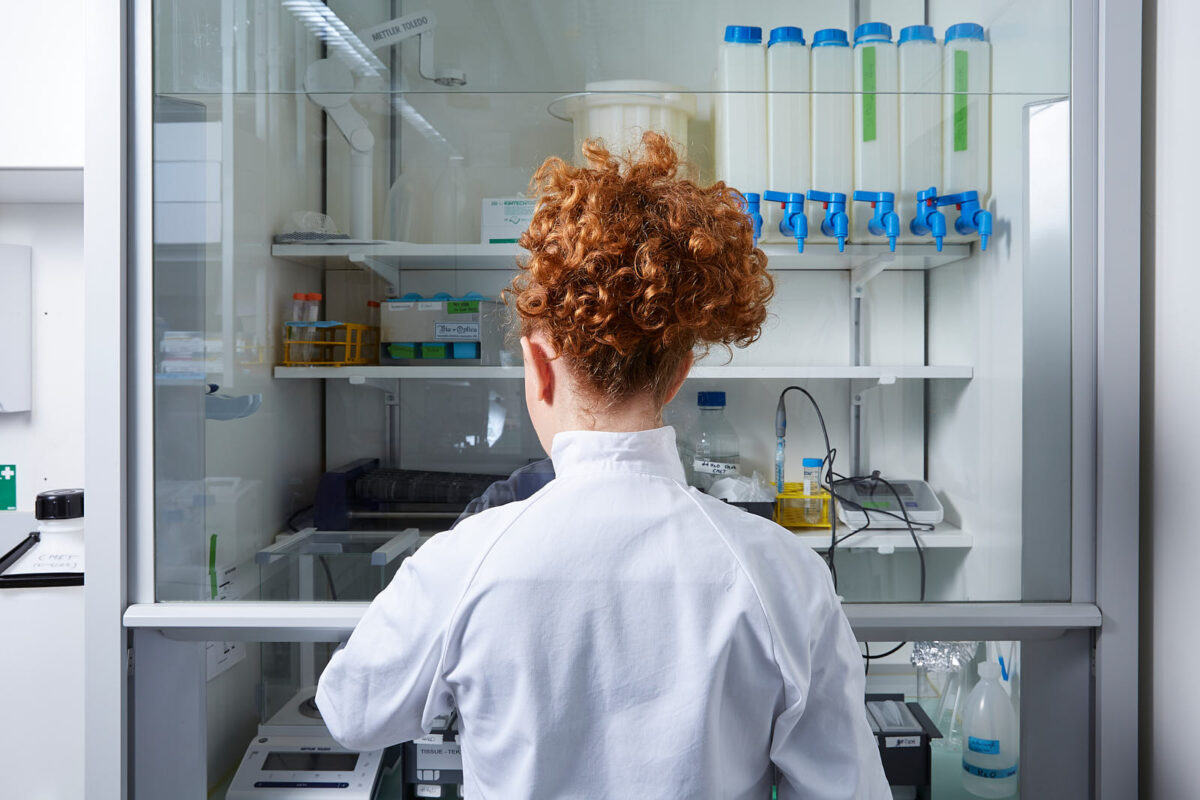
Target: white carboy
920,58
832,78
741,109
876,123
60,527
789,160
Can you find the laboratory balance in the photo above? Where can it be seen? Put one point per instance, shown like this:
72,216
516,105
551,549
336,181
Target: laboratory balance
858,498
294,751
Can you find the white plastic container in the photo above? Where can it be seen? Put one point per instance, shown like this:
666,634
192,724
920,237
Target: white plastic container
920,59
741,110
966,114
990,744
832,122
60,523
876,122
619,112
789,165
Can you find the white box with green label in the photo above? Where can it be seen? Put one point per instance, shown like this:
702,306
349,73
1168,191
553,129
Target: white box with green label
504,219
431,332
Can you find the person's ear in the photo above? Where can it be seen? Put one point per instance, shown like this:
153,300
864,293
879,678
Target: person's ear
539,376
685,366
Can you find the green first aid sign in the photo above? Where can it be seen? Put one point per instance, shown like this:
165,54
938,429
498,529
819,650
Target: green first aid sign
8,487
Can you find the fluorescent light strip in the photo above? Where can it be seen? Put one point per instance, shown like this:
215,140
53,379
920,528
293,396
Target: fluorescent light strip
329,28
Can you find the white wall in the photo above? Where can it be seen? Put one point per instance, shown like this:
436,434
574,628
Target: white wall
1171,429
42,92
44,627
41,738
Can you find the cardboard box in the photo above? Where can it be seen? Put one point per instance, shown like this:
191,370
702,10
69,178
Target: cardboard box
504,219
431,332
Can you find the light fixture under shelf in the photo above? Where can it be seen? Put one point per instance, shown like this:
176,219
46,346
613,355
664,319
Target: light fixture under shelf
881,374
389,258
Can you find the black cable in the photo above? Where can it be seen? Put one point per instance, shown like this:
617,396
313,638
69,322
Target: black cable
291,521
328,577
826,464
829,483
867,659
878,656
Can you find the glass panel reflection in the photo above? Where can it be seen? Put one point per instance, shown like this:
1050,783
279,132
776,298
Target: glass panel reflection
291,205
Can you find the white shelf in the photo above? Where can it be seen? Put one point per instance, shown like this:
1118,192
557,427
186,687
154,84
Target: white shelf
41,185
942,537
390,257
882,374
251,621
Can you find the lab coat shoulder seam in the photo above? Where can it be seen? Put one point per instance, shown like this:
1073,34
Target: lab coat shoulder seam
450,621
787,684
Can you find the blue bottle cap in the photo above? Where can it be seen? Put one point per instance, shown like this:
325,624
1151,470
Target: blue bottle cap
811,462
786,34
873,31
917,33
743,34
964,30
710,399
830,37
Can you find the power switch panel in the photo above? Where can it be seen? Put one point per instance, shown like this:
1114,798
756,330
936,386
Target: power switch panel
16,328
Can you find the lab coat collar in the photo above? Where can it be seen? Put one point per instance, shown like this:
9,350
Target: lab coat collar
650,452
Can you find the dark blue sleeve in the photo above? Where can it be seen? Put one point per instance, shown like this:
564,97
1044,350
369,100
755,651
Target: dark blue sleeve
523,483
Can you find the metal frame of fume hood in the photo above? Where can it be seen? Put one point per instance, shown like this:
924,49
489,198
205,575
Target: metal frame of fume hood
1096,708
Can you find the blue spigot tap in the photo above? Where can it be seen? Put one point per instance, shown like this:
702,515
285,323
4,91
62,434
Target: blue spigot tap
928,218
751,206
971,217
794,223
885,221
836,223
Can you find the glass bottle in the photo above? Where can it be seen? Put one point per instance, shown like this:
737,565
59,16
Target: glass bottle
716,451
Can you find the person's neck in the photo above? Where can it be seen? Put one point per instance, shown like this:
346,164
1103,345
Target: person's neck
620,418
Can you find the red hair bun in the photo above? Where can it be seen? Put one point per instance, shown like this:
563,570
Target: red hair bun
631,268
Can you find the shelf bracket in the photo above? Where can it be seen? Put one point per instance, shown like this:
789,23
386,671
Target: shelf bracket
389,272
385,385
867,271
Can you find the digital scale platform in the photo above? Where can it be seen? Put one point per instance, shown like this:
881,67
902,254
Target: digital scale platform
294,751
920,503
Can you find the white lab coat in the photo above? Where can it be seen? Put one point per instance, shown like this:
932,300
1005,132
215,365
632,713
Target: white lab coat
617,634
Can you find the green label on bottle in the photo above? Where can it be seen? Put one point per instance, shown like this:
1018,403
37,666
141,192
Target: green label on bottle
868,98
960,101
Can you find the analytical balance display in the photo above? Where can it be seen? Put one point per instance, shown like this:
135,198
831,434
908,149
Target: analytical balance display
920,503
294,756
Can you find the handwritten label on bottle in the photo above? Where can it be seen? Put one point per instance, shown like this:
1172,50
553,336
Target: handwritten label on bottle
714,467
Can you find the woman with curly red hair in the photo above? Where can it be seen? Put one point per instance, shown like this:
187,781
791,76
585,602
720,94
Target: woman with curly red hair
619,634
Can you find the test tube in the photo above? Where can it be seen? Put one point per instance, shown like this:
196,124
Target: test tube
295,352
312,313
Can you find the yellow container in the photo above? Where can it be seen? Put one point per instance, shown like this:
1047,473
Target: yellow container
792,502
333,344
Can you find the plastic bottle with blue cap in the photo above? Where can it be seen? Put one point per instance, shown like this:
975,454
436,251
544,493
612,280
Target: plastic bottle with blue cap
789,141
832,156
920,59
741,109
876,134
966,122
990,745
716,451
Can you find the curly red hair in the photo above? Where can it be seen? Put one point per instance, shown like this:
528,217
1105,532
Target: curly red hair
632,267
